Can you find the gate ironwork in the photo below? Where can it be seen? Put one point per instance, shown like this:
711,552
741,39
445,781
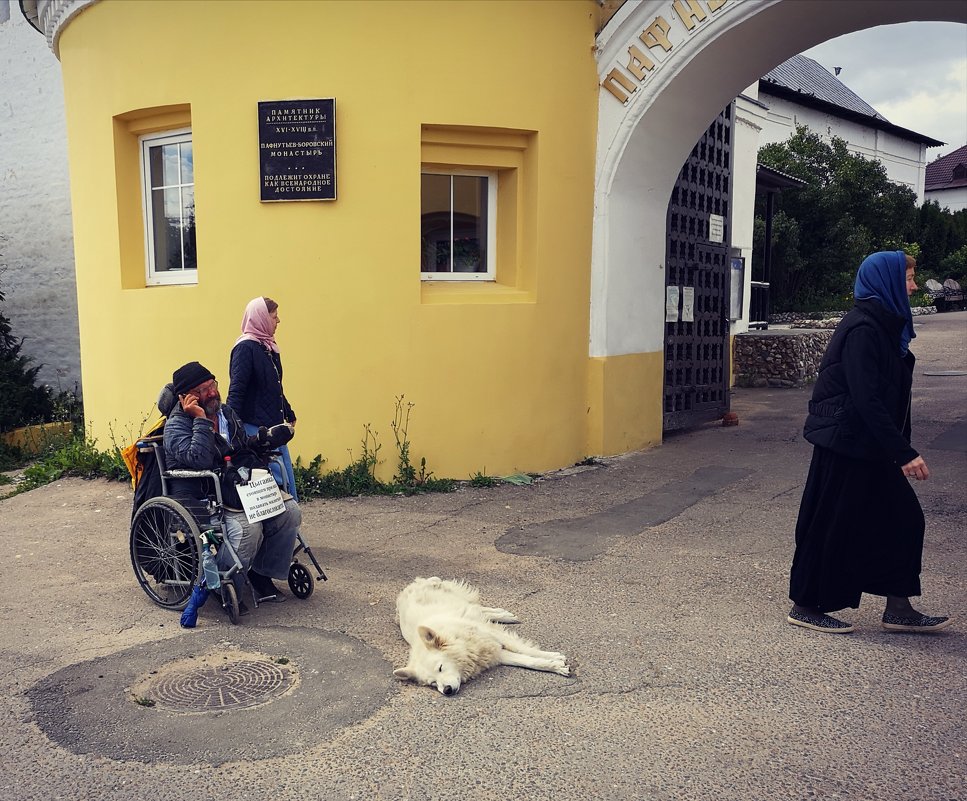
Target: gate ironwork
696,387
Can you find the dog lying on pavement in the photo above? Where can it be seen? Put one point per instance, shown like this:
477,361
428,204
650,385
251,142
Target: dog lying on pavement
453,638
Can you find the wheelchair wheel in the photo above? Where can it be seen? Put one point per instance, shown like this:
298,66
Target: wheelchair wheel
165,552
300,581
230,602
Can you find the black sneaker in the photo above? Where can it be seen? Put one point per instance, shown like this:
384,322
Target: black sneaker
818,622
914,623
264,589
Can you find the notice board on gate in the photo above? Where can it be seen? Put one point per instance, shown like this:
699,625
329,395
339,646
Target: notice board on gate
297,149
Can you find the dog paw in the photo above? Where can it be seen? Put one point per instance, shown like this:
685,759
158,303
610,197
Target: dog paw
562,669
498,615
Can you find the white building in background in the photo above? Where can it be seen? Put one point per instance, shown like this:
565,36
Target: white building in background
801,91
946,181
36,240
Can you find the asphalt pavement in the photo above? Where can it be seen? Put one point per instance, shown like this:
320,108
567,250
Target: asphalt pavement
662,574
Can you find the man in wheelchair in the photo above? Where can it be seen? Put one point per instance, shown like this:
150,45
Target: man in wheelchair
199,434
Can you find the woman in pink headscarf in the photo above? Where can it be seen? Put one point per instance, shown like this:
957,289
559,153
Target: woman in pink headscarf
255,374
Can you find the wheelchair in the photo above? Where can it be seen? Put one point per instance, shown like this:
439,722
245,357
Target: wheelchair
167,538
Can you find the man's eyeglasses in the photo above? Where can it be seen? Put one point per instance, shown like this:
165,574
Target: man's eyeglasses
204,389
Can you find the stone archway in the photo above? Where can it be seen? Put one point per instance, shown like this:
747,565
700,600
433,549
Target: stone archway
666,69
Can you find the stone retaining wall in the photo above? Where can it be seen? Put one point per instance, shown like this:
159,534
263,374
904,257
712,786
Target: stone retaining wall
778,357
788,356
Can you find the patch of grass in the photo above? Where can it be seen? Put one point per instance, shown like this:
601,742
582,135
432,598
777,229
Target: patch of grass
79,457
479,479
356,478
148,702
359,476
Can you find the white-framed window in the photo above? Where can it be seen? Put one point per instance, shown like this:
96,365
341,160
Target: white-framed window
168,187
458,224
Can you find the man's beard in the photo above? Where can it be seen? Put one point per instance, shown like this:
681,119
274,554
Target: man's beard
212,405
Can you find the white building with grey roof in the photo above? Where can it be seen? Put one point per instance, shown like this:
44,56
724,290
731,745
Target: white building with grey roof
800,91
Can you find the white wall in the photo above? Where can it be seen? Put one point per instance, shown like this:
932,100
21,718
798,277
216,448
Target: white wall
36,241
950,199
905,161
749,119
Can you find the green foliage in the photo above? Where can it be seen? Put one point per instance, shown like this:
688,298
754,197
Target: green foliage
359,476
11,458
79,457
405,472
942,236
22,402
954,265
479,479
822,231
408,479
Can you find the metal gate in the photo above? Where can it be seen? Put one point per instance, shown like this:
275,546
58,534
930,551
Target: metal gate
697,283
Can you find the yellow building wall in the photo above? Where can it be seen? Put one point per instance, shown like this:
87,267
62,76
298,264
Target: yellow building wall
499,374
625,402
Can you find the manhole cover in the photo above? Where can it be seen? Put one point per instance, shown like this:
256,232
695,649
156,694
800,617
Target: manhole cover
215,682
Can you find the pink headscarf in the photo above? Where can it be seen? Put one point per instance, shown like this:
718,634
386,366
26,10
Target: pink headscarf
257,325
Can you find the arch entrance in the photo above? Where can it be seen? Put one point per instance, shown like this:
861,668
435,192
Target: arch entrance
666,68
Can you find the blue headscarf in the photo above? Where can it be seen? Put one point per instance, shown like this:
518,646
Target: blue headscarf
883,277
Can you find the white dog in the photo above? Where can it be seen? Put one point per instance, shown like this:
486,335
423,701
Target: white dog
453,638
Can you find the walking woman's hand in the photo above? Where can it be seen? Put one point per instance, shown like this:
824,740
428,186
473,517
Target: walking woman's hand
916,469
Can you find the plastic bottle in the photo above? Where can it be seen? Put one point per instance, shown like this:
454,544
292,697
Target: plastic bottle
212,580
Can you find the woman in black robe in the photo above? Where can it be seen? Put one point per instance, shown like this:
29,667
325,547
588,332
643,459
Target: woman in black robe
860,526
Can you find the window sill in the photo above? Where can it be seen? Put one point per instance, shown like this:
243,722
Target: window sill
467,292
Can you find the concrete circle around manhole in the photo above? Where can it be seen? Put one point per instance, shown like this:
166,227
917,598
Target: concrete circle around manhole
219,680
180,699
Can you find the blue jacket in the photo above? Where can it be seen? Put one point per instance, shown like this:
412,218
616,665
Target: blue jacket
255,385
861,402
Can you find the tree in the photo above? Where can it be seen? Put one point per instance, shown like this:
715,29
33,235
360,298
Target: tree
847,210
942,235
22,402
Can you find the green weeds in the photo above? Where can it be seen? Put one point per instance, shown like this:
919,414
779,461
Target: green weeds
80,457
359,476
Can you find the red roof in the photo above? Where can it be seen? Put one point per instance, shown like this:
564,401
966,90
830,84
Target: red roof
940,173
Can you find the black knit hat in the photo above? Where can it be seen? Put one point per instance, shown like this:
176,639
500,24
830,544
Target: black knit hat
190,376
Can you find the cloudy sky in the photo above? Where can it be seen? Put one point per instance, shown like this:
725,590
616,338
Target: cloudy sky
914,74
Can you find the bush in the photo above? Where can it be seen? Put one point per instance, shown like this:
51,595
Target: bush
79,458
22,402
